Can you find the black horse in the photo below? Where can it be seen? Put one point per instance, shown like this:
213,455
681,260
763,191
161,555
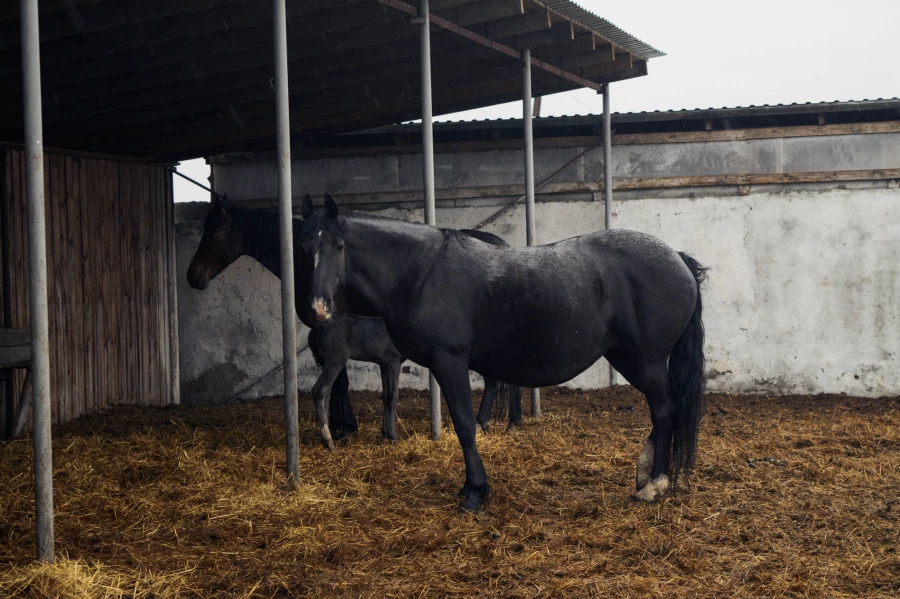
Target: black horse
231,232
533,316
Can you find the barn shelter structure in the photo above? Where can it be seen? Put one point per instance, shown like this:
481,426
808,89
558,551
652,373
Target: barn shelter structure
121,90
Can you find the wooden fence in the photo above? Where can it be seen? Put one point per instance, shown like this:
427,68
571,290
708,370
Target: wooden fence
110,281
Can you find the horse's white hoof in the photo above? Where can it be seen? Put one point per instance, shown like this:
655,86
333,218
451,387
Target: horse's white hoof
653,491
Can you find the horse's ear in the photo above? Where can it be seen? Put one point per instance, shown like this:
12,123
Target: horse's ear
306,207
217,202
331,207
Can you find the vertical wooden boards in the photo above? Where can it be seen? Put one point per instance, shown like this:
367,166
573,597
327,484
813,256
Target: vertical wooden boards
7,413
110,280
77,316
54,193
88,183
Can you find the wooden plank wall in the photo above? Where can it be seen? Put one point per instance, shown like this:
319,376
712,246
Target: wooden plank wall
109,260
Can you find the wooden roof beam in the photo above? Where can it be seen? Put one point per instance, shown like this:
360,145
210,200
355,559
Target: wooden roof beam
556,33
578,26
526,22
484,41
474,13
599,56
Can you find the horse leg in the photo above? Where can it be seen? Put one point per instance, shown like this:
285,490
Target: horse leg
516,421
491,388
319,392
653,463
452,374
341,418
390,397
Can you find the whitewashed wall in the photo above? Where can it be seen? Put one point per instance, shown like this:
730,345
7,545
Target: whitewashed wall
803,293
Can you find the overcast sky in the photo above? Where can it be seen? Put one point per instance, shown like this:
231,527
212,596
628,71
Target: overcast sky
725,53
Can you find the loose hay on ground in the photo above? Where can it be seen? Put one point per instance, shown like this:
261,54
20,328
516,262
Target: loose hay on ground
792,496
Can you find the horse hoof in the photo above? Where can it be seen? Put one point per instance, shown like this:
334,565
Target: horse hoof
340,434
514,425
470,506
481,427
388,436
328,443
652,491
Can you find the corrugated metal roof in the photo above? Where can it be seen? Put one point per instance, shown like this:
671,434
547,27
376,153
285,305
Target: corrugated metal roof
603,27
678,114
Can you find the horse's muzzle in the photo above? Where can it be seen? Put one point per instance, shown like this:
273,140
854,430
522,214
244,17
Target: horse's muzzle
197,281
321,310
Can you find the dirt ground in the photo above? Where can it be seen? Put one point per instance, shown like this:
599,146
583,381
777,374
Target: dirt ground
793,496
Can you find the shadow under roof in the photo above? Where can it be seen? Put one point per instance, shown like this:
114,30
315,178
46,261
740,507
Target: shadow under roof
175,79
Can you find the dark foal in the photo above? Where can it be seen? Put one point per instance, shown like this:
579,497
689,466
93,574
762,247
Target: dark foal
352,337
534,316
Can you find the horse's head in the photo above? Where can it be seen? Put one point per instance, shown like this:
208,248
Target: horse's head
322,255
219,247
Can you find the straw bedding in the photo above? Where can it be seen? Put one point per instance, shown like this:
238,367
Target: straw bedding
791,497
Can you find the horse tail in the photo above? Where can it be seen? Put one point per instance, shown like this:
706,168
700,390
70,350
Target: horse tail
687,382
312,341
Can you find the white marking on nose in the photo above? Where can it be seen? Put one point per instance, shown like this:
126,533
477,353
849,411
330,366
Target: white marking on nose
316,260
320,309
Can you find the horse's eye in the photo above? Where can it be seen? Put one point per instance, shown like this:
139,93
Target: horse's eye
340,246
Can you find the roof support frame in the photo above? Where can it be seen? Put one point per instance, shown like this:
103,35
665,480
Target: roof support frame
489,43
37,283
286,237
423,20
529,185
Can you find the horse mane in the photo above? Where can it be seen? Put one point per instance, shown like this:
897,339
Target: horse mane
258,227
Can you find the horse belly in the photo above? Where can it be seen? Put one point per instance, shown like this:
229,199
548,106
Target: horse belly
547,339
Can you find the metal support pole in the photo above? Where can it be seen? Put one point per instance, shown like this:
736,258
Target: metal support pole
529,183
37,260
434,389
608,185
286,225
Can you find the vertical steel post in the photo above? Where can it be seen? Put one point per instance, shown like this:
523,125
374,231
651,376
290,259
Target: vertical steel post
37,267
286,225
607,185
529,183
434,390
